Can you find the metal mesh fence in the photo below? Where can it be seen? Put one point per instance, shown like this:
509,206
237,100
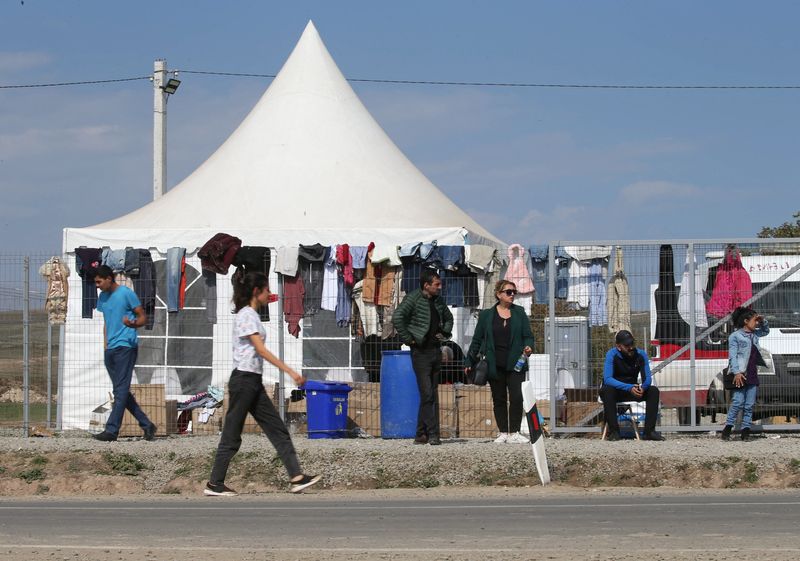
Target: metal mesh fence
332,326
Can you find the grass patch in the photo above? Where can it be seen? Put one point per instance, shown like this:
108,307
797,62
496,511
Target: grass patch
183,471
597,480
12,412
39,461
733,459
31,475
171,456
750,472
124,464
2,470
794,463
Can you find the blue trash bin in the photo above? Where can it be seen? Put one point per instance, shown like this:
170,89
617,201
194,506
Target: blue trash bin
399,395
326,407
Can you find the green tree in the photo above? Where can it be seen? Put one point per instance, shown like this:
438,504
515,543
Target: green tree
785,230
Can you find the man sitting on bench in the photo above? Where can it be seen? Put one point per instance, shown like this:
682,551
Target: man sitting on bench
625,365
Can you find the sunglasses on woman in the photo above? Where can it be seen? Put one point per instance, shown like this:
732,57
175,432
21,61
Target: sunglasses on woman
509,292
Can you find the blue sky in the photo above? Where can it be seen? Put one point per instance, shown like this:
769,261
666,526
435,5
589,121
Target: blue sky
529,164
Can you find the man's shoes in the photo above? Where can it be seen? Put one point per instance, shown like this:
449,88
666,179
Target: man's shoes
105,436
150,432
518,438
613,436
653,435
304,483
501,438
422,439
434,441
221,490
745,435
726,432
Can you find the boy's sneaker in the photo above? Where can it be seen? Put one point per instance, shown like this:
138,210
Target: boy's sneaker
150,432
501,438
219,491
304,483
518,438
105,436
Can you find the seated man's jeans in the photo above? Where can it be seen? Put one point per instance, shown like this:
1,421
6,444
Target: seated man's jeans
612,396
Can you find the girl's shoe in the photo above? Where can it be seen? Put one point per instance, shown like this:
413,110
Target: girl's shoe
501,438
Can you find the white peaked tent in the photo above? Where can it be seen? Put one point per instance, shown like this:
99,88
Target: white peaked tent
308,165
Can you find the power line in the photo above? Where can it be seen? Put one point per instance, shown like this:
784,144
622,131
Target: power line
521,84
56,84
444,83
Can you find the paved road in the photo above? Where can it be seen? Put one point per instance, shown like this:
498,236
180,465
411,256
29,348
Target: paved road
713,526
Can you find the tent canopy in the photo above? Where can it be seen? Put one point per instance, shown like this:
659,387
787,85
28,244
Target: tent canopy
308,157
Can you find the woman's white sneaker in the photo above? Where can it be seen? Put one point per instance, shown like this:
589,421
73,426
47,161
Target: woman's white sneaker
518,438
501,438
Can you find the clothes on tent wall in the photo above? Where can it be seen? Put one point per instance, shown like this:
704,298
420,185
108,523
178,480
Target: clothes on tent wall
670,327
386,254
345,263
732,286
293,302
367,311
618,298
539,272
494,273
517,271
253,258
598,312
87,260
358,254
176,278
210,294
286,260
685,295
144,285
585,282
310,263
217,254
330,281
114,258
56,273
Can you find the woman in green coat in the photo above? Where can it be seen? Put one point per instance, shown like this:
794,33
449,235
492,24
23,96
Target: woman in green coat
503,334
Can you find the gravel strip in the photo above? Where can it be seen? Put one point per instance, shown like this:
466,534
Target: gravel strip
179,464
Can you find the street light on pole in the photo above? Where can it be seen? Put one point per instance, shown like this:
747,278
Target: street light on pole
162,89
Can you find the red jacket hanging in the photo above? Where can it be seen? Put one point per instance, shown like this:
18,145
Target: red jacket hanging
732,287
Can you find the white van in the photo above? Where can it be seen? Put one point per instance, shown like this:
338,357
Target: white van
779,392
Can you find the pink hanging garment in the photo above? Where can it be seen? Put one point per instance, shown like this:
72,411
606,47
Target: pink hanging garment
732,287
517,271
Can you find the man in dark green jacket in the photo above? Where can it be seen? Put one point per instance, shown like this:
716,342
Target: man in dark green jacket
423,321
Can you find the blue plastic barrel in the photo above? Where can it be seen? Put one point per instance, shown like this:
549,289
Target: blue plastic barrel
326,405
399,395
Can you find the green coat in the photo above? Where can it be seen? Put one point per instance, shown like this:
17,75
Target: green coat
521,336
412,318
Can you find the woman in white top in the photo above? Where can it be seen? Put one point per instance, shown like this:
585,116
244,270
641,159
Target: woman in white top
246,391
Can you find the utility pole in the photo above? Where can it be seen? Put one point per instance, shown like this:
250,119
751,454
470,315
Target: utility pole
159,128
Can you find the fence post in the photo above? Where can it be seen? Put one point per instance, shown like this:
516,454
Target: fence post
26,336
692,334
49,369
549,334
60,382
281,352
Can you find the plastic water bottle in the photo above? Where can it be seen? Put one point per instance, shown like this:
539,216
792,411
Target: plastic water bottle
520,364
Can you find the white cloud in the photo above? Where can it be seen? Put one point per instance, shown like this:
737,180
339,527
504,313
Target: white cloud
643,192
13,62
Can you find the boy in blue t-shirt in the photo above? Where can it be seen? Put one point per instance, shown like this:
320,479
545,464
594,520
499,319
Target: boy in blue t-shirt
122,315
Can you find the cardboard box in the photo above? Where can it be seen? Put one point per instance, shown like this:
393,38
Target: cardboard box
150,398
448,413
364,408
211,427
475,412
582,413
171,423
